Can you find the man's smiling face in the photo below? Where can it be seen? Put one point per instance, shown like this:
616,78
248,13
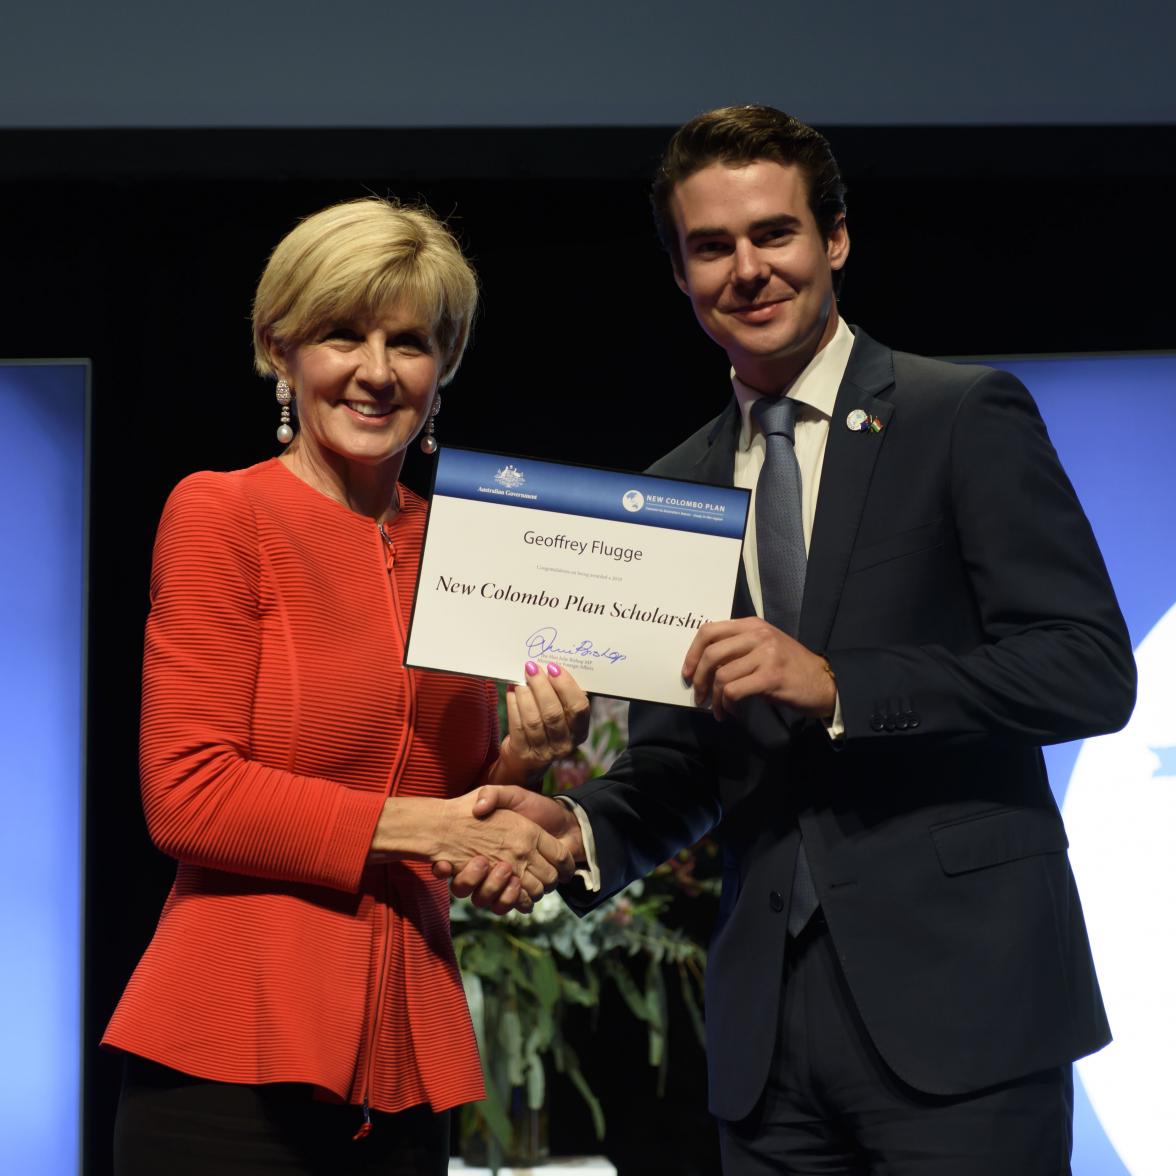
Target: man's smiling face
756,268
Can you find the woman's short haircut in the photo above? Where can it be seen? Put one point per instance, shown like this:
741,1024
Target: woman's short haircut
352,261
737,136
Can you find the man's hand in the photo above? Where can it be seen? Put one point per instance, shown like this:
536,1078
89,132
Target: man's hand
732,660
496,887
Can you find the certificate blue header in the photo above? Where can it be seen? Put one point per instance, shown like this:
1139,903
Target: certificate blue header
599,494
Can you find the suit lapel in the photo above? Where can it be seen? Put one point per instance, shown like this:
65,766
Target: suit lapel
716,462
845,480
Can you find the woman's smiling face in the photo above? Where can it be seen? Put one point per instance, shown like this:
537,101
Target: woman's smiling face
364,388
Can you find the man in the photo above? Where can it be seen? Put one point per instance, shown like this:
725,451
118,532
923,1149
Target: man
900,978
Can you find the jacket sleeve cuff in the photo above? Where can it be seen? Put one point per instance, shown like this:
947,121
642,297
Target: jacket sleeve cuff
346,851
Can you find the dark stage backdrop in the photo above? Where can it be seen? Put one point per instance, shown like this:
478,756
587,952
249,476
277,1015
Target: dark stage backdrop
140,250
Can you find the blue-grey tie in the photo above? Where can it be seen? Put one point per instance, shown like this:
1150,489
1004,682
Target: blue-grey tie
779,535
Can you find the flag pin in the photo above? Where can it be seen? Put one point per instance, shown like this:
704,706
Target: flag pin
860,421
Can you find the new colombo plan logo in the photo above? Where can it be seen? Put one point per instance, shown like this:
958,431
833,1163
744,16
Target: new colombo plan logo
633,500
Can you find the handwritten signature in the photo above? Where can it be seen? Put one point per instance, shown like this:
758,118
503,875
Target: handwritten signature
543,641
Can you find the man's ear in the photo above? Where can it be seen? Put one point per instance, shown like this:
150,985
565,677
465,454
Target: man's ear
679,278
837,246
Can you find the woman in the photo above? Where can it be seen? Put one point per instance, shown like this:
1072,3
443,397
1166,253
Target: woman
301,775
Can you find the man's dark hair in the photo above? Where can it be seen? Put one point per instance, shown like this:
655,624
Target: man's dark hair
738,135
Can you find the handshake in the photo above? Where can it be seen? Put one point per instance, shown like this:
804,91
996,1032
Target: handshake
502,845
516,845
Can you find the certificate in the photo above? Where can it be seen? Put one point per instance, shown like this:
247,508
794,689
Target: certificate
609,574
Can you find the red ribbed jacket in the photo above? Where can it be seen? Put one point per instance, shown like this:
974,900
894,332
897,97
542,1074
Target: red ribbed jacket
277,716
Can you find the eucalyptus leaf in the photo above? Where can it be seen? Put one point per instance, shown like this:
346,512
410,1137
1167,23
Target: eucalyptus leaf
544,1029
580,994
562,940
545,978
536,1079
633,996
655,999
691,1003
570,1065
472,983
510,1037
585,942
493,1114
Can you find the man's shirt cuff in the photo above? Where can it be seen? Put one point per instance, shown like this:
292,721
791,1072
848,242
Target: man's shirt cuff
834,726
590,874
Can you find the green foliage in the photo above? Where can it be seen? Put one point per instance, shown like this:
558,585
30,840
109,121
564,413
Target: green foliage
523,972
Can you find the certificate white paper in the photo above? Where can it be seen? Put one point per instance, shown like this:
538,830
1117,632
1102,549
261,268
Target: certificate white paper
608,574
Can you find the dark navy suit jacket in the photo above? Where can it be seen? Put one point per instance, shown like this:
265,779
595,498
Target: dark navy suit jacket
956,588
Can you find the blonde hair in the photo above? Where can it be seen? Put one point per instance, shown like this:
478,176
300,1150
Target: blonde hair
352,261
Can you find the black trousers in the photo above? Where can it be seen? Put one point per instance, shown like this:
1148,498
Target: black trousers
832,1105
172,1123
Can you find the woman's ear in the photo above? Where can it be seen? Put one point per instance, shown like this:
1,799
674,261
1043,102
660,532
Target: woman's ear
277,356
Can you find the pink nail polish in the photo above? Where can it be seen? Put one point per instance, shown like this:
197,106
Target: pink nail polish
553,671
532,668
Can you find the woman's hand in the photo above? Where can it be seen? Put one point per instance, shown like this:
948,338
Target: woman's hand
546,718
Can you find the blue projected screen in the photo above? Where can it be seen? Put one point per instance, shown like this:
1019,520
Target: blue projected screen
42,606
1113,422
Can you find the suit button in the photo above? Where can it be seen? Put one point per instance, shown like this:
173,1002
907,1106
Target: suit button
875,722
912,720
889,724
776,901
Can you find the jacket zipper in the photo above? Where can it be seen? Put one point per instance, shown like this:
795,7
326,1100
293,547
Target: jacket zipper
365,1127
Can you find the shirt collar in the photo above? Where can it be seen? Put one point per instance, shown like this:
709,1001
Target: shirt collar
815,387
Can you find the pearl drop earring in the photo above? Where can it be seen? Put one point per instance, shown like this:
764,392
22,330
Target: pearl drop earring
429,441
284,396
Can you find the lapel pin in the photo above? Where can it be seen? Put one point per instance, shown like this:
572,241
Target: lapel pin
860,421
